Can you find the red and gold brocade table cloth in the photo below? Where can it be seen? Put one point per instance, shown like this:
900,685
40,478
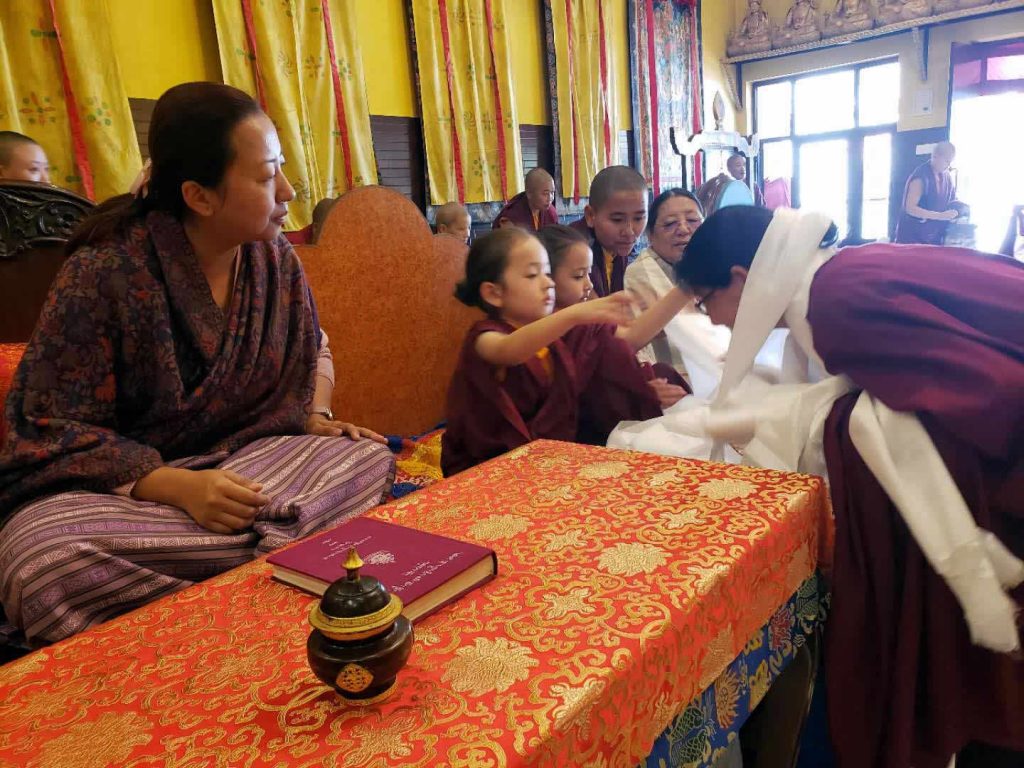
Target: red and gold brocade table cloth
627,583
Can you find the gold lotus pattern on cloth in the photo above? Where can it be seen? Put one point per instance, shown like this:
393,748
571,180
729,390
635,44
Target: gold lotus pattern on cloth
627,583
631,559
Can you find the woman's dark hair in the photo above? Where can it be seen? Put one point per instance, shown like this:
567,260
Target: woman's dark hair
664,197
189,140
728,238
486,263
557,239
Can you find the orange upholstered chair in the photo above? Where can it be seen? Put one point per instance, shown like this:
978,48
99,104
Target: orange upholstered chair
383,285
35,221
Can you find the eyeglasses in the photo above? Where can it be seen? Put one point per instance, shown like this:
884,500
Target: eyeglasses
702,302
675,226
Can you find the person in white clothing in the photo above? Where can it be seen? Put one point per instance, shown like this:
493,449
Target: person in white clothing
674,216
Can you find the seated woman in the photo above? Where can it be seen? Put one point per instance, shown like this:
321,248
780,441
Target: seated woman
675,215
167,421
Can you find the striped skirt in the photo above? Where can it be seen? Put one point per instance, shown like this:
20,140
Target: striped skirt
76,559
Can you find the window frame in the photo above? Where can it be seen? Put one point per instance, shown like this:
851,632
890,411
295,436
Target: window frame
854,137
982,52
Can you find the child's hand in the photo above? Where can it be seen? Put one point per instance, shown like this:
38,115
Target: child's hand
616,309
668,394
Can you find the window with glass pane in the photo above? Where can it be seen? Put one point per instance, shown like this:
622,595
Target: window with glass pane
877,173
967,73
824,179
878,99
777,159
1006,68
824,102
774,109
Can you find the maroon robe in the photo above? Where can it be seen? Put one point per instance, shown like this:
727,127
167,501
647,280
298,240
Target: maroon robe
598,273
938,332
596,382
517,211
132,364
938,195
615,388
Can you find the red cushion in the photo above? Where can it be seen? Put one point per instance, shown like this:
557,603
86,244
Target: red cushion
10,356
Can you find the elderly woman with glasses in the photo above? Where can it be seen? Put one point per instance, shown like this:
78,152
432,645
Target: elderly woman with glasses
675,215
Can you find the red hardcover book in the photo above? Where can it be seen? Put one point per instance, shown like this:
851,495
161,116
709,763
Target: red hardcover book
424,570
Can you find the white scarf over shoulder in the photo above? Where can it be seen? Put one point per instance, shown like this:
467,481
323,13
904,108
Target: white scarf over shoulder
782,425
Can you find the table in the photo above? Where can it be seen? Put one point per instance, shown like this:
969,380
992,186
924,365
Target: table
627,584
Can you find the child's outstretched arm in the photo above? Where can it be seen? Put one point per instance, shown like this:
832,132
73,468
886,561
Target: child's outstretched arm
639,333
522,344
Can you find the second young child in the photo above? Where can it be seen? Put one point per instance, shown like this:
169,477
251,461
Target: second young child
571,261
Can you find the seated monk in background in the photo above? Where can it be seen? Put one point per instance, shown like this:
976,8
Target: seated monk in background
167,422
453,219
533,209
22,159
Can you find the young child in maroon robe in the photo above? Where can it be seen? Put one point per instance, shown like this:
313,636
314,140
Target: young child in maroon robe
533,209
612,222
523,369
571,262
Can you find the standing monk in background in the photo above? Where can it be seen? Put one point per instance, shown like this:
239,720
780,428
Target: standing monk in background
533,209
929,201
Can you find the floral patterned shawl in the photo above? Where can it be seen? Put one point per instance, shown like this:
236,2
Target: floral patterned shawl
133,364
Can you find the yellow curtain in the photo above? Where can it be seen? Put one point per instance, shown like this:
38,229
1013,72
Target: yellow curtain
585,85
284,54
470,126
60,85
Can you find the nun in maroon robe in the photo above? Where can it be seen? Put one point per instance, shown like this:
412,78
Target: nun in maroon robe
517,212
576,389
938,333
